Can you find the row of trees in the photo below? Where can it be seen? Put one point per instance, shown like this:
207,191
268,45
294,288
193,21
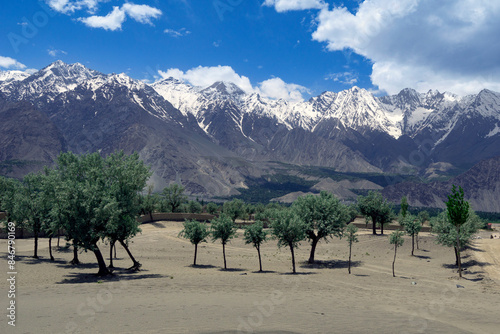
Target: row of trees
89,197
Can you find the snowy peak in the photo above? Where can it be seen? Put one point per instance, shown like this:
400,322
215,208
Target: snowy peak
10,76
222,89
486,104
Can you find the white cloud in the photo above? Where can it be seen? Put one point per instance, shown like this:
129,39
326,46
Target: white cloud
55,53
177,33
287,5
201,76
112,21
205,76
69,6
141,13
10,63
276,88
423,44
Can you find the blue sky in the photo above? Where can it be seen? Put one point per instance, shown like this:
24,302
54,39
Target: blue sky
282,48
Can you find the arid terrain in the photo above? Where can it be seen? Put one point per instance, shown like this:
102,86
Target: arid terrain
171,296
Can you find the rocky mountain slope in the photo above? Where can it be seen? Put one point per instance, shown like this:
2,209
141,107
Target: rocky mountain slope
214,139
481,186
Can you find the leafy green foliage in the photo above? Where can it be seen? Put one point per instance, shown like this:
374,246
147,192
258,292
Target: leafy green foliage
194,207
212,208
404,206
447,233
412,227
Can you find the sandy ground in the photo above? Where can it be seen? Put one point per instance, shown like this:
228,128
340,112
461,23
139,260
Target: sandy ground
171,296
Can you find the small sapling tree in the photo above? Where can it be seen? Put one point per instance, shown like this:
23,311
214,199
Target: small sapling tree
255,234
195,232
458,213
223,228
350,233
412,227
396,239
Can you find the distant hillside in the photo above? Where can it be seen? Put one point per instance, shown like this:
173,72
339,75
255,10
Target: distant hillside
481,185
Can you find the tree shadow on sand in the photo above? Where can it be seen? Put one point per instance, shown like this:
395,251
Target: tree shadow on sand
233,269
330,264
422,257
467,264
155,224
201,266
118,275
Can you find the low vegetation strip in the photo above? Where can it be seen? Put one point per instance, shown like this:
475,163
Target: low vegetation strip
178,217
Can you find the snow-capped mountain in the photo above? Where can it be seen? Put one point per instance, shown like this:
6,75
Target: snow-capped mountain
203,133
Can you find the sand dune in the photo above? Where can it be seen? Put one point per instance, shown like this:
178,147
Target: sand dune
171,296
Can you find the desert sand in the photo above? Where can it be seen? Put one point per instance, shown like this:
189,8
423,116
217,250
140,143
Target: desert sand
171,296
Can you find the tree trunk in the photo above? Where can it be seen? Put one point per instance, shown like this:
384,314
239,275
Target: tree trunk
374,226
417,241
381,228
224,254
412,244
394,261
195,251
35,254
103,270
260,261
350,247
136,265
150,216
293,259
458,253
112,245
75,255
313,249
50,249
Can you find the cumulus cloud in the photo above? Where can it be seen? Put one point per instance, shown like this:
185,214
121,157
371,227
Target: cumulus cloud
70,6
444,45
276,88
287,5
141,13
10,63
114,20
346,78
201,76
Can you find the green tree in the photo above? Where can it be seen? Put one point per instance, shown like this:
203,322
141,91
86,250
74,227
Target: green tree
195,232
396,239
223,228
377,208
351,238
212,208
194,207
234,209
84,202
447,233
324,216
412,227
255,234
149,203
174,197
289,230
10,196
125,177
404,207
458,213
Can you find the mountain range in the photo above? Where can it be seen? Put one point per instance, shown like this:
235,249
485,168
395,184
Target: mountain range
218,140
